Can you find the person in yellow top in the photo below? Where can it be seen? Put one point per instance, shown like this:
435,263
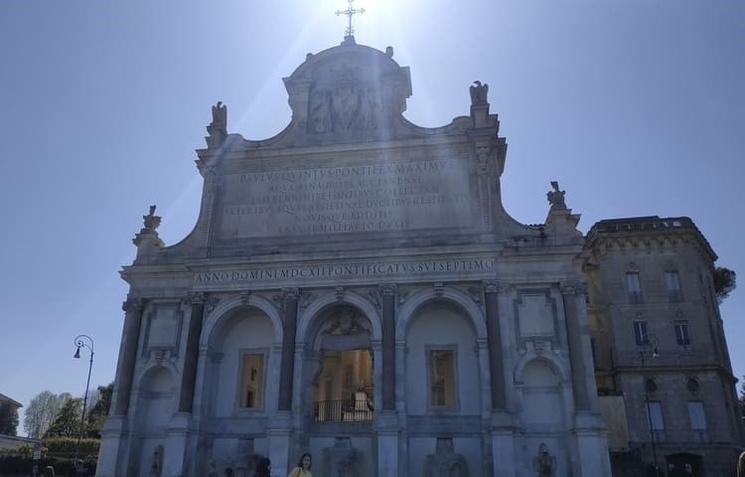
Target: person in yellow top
303,467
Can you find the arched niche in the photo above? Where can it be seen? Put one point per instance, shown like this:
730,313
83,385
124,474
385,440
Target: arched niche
156,403
442,365
542,400
242,369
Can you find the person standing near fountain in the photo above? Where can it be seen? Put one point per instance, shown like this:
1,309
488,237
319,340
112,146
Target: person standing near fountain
303,467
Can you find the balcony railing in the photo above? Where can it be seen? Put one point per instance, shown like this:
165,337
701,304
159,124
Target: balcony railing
347,410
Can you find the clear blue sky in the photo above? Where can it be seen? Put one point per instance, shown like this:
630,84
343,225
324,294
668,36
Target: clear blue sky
636,107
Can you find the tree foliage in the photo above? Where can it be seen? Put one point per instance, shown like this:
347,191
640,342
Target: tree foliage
67,422
99,410
725,281
8,419
59,415
41,412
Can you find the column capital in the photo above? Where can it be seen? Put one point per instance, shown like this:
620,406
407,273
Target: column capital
197,298
495,286
388,289
291,293
133,305
574,287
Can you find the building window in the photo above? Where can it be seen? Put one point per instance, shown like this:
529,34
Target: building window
640,332
656,423
681,333
674,290
252,388
442,378
697,418
633,287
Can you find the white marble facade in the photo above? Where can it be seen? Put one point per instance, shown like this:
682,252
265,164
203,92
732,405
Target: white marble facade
354,288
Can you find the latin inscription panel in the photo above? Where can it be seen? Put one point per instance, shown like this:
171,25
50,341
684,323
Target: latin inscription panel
379,197
362,271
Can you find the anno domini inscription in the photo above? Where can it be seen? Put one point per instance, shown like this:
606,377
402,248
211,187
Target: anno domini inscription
358,198
471,267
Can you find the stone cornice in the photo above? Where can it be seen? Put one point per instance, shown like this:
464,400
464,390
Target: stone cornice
673,369
133,305
646,233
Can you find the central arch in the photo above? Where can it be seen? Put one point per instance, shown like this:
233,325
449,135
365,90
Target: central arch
339,379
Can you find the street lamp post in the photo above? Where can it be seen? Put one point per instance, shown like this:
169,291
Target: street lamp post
83,341
651,344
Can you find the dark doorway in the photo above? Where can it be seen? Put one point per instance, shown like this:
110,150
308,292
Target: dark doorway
684,465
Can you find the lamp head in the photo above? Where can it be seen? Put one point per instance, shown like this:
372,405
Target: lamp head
77,353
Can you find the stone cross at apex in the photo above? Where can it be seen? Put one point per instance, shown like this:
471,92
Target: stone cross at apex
350,12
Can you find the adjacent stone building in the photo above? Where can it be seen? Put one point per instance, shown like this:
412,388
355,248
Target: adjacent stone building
354,288
659,348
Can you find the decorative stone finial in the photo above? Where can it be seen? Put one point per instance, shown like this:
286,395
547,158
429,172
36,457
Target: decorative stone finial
556,197
147,238
218,128
479,93
561,224
150,222
219,115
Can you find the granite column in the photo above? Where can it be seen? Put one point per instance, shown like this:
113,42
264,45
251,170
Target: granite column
289,329
189,374
389,346
128,355
570,294
494,335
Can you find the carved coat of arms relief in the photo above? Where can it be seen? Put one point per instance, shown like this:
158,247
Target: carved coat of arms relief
347,104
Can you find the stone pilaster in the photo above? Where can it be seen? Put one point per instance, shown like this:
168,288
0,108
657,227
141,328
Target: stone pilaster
191,357
278,432
494,335
388,292
128,354
289,307
571,293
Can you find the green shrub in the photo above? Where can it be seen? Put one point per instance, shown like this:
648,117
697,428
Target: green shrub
16,464
65,447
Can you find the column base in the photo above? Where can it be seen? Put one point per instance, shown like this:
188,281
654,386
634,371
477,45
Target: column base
503,453
113,445
592,445
174,450
279,431
502,430
388,430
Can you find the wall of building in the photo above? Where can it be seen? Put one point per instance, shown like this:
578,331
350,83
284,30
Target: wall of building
665,369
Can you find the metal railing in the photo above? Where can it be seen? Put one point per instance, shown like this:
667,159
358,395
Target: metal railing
345,410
